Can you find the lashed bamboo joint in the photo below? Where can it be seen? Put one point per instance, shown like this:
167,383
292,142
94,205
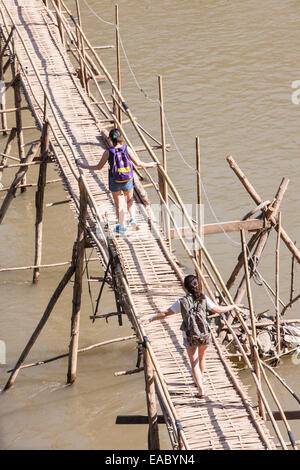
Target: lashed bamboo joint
142,266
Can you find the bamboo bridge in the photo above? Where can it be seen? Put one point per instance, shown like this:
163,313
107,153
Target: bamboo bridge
36,38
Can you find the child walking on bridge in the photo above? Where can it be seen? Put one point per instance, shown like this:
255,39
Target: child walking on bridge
195,328
121,178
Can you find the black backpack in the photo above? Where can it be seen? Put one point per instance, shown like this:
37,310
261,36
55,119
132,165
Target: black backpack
194,322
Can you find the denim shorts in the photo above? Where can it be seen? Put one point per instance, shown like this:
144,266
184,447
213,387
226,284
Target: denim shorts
115,187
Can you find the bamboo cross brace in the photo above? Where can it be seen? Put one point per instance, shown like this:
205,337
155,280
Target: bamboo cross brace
17,180
250,189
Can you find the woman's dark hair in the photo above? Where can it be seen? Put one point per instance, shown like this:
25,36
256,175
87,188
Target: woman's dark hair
192,285
115,136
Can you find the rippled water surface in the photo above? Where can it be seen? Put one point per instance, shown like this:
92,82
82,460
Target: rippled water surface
227,68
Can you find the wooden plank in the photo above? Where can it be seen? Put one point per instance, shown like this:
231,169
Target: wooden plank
231,226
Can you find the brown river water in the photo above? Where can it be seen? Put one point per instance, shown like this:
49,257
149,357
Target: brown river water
228,69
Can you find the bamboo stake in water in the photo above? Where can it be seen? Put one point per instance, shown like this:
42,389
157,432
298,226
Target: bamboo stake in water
2,91
80,47
153,434
39,201
59,23
277,284
199,198
253,322
162,181
41,324
292,277
7,149
118,57
77,290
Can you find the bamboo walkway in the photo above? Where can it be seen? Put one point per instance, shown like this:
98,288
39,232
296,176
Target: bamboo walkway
221,419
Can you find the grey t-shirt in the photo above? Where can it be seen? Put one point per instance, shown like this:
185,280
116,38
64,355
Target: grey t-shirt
175,307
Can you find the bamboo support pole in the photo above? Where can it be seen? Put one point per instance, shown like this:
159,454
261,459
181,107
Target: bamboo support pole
33,185
199,198
24,128
66,278
24,164
81,350
118,59
7,150
77,290
282,381
3,88
161,180
10,157
42,266
284,236
130,372
2,84
39,201
116,290
289,305
240,262
278,348
253,321
153,434
281,412
292,291
18,178
16,109
18,102
83,75
59,23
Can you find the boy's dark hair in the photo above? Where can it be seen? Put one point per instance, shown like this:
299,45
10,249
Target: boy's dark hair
192,285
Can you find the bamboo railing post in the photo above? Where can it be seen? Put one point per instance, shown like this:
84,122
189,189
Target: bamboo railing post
253,322
77,290
18,105
18,178
41,324
153,434
39,200
116,289
59,23
161,180
7,149
292,291
277,284
199,199
2,91
80,46
118,58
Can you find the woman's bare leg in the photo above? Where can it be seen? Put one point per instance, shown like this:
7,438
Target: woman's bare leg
201,352
130,203
193,354
117,197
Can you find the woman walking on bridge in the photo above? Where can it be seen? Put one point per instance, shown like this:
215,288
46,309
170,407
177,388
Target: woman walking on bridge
195,327
121,178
